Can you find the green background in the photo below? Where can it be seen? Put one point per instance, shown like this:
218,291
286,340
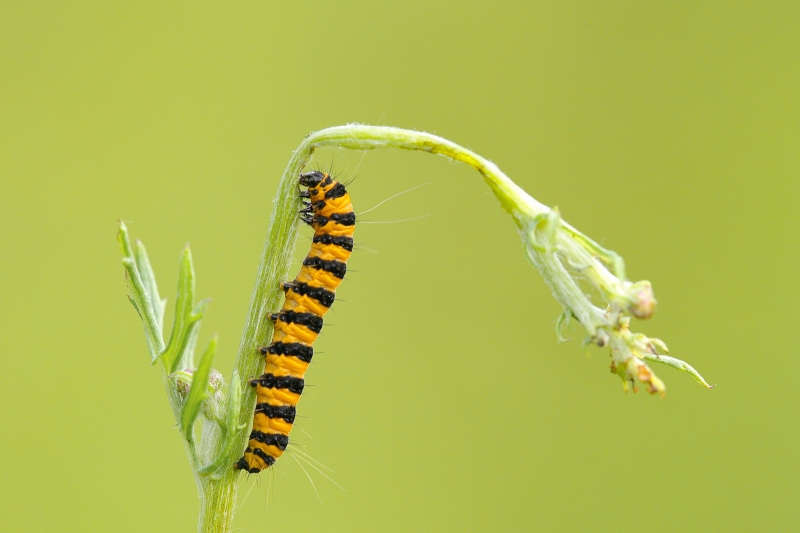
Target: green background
443,401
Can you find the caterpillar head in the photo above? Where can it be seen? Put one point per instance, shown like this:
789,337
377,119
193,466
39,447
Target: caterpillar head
312,179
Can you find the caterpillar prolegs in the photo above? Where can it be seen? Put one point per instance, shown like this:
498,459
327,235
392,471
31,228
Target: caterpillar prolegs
297,325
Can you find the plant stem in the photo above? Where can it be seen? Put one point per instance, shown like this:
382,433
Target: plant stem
276,257
536,223
217,501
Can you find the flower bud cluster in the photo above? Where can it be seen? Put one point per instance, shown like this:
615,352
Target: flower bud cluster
564,255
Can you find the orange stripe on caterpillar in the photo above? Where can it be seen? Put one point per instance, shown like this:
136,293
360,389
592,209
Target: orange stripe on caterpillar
308,297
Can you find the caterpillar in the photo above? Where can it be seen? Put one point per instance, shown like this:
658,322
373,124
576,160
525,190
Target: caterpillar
329,212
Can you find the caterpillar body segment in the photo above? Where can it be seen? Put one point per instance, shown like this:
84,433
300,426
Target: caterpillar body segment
298,324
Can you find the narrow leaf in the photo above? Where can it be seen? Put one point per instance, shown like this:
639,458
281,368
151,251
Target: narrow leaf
199,391
138,295
185,351
183,320
563,321
680,365
185,357
149,281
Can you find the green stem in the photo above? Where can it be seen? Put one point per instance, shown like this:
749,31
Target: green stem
218,495
276,259
217,501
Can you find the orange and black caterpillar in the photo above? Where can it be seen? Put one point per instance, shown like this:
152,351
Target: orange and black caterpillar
297,325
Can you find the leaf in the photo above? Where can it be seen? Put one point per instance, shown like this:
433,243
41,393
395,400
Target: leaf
563,321
180,349
149,282
680,365
199,390
138,294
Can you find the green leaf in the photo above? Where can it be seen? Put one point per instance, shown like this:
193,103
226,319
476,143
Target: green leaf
138,294
149,281
186,355
180,350
609,257
563,321
680,365
231,428
199,391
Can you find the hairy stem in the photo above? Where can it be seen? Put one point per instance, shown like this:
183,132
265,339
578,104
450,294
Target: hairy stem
217,501
550,244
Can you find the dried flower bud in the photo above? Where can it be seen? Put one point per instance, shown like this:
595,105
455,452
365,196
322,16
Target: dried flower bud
642,301
183,381
216,380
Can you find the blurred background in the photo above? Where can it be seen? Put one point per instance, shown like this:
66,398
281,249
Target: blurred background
441,398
